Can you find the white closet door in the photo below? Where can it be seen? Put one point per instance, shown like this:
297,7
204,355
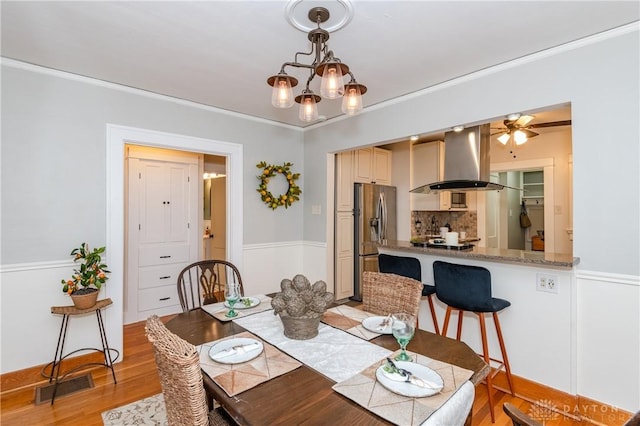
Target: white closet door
153,196
177,225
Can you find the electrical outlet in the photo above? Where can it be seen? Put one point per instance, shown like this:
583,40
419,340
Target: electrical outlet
546,282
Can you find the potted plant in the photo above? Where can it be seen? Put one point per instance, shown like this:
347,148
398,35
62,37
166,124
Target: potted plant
85,283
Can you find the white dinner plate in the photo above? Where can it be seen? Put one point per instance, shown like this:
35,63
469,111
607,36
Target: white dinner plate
372,324
254,301
238,357
408,389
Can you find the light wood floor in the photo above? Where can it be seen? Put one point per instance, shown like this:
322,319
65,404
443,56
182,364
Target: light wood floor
137,379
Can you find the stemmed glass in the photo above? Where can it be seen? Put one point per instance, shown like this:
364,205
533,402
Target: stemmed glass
231,295
403,327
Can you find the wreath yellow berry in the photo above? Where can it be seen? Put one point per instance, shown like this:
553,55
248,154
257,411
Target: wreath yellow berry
293,192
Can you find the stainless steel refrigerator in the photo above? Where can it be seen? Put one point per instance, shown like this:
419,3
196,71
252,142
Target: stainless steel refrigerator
374,214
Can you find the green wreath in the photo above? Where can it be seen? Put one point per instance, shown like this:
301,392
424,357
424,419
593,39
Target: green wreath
292,194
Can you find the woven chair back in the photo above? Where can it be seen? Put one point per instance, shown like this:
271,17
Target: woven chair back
384,294
178,365
203,282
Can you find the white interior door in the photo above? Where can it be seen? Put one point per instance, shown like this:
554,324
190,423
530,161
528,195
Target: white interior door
219,218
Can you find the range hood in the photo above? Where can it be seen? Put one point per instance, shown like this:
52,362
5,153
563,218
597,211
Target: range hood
466,163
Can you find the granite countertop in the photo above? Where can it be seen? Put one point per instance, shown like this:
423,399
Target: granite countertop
529,258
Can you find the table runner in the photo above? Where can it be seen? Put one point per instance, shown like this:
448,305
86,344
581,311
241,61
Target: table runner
219,311
237,378
365,390
349,319
333,353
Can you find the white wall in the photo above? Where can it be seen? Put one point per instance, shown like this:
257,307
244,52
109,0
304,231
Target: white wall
56,194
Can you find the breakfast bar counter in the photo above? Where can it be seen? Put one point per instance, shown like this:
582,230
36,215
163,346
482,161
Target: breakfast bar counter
538,326
525,258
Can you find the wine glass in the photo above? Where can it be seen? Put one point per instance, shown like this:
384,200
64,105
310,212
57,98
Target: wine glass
403,327
231,295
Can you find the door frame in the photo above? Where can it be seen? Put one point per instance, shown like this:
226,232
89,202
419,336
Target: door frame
116,138
547,165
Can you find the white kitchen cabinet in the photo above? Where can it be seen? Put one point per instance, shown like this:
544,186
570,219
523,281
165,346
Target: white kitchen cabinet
344,181
163,236
427,166
372,165
344,255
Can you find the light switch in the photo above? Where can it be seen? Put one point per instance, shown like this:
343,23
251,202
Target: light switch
316,209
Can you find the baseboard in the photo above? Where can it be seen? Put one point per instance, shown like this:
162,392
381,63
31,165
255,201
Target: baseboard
554,403
34,375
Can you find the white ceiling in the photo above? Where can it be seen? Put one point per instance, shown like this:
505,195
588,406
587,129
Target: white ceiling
220,53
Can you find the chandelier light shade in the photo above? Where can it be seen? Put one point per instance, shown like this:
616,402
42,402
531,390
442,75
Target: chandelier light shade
331,85
282,94
308,108
352,99
325,65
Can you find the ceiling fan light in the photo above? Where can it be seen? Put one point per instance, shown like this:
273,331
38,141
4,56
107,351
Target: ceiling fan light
352,99
282,93
504,138
519,137
513,116
525,119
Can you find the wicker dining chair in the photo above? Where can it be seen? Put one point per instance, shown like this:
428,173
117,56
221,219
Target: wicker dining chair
384,294
178,365
203,282
410,267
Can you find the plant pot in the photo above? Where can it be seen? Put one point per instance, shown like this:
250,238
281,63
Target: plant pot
300,328
85,301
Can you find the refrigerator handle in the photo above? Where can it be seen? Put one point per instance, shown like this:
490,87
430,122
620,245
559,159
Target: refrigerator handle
382,214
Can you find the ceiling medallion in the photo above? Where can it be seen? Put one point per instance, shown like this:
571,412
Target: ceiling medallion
340,14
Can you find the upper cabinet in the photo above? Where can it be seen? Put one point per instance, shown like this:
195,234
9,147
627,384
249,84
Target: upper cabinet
427,166
372,165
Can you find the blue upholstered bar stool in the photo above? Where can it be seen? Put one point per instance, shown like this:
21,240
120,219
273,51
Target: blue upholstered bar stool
468,288
409,267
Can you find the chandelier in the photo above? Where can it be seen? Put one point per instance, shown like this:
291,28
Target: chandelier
327,66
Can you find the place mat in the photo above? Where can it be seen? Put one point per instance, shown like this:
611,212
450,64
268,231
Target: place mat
365,390
237,378
219,311
349,319
334,353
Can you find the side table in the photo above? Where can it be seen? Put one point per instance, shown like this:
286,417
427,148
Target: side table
67,312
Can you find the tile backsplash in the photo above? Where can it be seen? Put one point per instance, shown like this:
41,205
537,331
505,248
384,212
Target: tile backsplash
459,220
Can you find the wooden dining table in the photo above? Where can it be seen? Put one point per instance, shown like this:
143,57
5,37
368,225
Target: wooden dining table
304,396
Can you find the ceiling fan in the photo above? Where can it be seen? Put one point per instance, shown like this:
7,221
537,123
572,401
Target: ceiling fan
517,127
